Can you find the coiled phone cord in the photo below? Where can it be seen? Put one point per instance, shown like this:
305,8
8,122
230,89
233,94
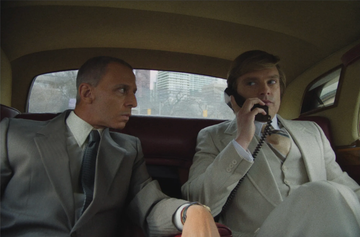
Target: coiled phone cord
267,131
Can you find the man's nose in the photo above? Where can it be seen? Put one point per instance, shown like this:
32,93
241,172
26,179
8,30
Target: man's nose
264,89
131,100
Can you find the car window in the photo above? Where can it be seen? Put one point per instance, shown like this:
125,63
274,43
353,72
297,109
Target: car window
160,93
53,92
321,92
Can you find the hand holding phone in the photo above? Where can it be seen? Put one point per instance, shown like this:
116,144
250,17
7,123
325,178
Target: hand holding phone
240,102
259,117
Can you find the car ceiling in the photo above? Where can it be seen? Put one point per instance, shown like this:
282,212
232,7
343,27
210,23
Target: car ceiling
194,36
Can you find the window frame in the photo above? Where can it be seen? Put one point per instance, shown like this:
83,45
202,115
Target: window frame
316,80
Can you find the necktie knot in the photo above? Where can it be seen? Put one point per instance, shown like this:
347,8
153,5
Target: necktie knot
94,137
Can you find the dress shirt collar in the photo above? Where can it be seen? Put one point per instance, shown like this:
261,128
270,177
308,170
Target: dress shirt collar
259,125
79,128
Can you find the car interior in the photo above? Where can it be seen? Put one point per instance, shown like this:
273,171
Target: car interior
312,38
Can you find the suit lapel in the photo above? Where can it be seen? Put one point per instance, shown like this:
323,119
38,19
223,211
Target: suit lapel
109,158
51,144
260,173
230,133
309,148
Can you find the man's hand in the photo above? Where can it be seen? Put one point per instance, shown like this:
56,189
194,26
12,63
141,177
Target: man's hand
199,223
245,120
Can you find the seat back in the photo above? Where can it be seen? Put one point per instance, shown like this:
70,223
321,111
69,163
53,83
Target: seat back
7,112
168,141
37,116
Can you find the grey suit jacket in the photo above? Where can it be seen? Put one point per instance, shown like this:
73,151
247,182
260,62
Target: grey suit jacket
36,191
217,168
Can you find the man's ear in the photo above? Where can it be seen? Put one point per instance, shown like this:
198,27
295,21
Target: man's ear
86,93
235,107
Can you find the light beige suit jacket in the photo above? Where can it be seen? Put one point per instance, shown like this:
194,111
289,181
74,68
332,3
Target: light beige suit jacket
217,168
36,191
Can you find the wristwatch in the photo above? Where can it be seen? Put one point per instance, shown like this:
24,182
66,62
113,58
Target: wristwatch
183,212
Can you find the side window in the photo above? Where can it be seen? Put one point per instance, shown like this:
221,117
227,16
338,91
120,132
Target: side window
321,93
160,93
53,92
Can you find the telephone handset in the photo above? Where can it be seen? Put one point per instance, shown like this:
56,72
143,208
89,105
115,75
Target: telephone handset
259,117
240,102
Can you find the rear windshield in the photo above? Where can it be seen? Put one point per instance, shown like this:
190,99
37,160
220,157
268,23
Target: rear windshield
160,93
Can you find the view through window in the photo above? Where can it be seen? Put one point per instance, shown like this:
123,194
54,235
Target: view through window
160,93
322,92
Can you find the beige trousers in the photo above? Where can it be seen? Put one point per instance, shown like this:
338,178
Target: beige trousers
316,209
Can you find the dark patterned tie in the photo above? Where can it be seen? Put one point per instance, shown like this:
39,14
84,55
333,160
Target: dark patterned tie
88,168
279,140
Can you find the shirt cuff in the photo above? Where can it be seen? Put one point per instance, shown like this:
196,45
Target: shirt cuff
177,217
242,152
